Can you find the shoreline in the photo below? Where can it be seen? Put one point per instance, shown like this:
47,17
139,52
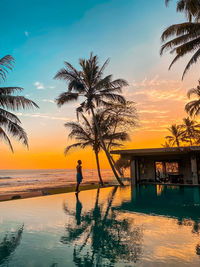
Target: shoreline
50,191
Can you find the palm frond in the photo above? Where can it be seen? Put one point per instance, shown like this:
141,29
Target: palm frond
194,59
6,63
16,102
9,90
8,115
4,136
178,41
194,91
64,74
100,73
72,69
17,132
180,29
193,108
113,97
119,83
77,86
66,97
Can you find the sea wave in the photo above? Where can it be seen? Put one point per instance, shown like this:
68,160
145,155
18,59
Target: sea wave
25,180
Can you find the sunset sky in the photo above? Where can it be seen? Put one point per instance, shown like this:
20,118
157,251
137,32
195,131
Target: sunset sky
42,34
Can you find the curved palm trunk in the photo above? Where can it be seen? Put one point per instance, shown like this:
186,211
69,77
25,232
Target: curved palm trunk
98,167
104,148
113,161
118,169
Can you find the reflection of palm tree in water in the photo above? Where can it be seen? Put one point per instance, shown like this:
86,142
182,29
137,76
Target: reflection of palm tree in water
105,239
78,210
9,244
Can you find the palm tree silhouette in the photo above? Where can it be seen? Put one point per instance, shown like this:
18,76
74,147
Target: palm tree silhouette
193,107
176,135
187,34
94,89
9,244
191,130
105,239
9,122
86,134
191,8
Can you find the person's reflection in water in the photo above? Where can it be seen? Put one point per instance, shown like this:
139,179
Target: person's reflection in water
78,210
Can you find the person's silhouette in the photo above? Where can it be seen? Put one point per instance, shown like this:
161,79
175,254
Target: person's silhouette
79,176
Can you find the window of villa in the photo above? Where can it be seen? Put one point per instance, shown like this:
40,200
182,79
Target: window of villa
172,167
164,168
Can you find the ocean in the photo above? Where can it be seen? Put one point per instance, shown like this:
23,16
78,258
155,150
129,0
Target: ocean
15,181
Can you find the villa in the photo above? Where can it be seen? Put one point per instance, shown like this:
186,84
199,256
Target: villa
176,165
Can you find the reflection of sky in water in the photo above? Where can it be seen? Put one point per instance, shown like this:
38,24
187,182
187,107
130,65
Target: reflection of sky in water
112,227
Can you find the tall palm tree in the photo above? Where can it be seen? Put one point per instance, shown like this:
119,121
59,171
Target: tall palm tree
93,89
176,135
86,134
193,107
191,130
185,36
191,8
9,122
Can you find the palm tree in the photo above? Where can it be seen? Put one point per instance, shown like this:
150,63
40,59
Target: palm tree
86,134
191,130
186,35
193,107
124,119
191,8
176,135
93,89
9,122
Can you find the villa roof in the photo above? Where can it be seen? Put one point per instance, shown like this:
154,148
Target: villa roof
158,151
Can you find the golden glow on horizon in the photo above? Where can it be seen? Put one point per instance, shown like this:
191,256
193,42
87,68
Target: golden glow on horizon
160,102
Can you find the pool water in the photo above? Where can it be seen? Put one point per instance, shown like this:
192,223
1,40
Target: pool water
145,226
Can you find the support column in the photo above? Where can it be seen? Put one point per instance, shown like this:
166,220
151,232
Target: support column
133,172
194,169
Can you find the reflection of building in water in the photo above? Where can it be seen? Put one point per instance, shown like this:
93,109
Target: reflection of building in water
159,188
167,165
178,202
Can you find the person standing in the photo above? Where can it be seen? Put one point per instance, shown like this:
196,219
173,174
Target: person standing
79,176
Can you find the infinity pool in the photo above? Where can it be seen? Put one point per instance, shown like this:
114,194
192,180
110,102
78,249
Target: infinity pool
146,226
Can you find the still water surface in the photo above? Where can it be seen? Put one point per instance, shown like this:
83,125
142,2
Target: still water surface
146,226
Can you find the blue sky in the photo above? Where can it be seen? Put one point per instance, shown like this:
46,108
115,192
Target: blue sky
41,35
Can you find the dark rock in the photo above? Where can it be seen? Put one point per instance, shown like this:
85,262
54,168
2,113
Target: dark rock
16,197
